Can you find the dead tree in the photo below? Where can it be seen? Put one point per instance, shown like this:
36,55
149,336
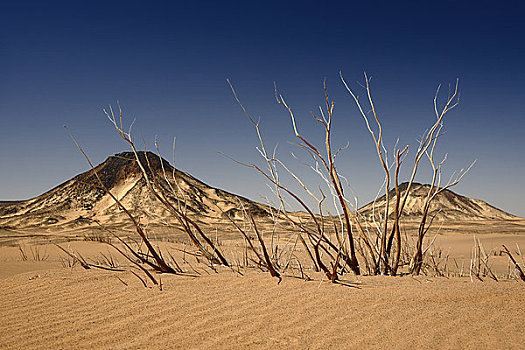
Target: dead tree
159,263
387,262
341,253
160,192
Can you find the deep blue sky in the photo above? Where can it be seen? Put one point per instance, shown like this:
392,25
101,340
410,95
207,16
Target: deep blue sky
167,63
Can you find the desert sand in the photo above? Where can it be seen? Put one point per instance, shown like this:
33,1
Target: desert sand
50,302
46,305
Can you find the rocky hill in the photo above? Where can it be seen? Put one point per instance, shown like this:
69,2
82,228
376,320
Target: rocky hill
447,205
80,200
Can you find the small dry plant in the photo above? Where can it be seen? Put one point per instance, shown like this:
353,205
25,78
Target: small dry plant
515,270
97,236
34,253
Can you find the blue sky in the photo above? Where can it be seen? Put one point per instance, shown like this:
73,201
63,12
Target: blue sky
167,63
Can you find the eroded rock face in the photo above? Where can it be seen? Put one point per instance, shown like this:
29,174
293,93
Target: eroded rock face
82,199
446,205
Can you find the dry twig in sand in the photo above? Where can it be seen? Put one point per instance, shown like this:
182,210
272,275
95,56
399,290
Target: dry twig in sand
516,265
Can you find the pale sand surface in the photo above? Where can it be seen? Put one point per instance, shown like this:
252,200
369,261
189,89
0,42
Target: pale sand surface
65,308
44,305
76,308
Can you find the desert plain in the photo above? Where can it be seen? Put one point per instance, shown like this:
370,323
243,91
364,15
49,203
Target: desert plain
364,165
47,304
65,285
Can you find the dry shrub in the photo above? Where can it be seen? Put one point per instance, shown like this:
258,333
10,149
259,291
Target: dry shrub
34,253
333,241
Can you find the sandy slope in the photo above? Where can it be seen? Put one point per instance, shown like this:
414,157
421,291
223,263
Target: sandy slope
64,308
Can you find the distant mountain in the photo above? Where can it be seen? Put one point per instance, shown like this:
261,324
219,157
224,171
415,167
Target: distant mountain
77,201
447,205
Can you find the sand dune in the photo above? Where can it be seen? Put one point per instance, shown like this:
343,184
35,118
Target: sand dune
47,306
91,309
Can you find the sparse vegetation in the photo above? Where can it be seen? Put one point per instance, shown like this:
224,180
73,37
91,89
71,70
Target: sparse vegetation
97,236
332,239
518,271
376,240
33,253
